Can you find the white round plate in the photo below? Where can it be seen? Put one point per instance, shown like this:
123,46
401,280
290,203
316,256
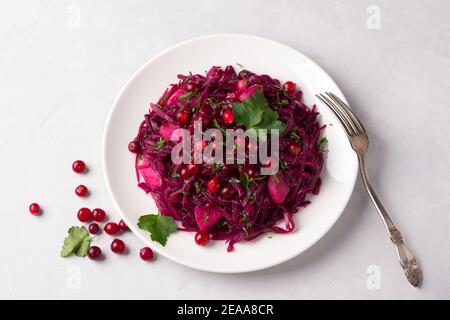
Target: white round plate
261,56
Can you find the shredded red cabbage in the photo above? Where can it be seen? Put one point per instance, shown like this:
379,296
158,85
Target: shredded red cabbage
244,211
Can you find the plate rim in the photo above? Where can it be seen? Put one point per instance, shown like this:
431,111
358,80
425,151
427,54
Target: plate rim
107,127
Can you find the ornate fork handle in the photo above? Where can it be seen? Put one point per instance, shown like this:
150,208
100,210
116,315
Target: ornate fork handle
406,257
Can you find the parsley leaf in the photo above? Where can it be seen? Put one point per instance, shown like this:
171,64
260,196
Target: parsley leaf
175,175
255,113
160,227
78,241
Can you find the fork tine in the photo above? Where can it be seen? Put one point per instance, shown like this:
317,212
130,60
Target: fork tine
344,114
348,111
337,113
353,130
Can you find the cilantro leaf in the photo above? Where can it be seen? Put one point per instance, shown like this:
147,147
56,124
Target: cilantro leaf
160,227
78,241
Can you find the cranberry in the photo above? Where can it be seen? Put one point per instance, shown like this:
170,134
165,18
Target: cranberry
241,85
133,147
228,117
123,226
99,214
94,228
294,148
146,253
117,246
84,215
111,228
289,87
202,238
81,190
94,252
193,169
213,185
183,117
79,166
184,173
34,209
227,192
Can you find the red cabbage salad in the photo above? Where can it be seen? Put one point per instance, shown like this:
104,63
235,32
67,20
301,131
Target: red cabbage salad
228,200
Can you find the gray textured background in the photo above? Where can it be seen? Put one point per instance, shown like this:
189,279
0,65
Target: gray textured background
63,62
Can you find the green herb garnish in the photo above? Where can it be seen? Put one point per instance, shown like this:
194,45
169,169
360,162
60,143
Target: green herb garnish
160,144
323,144
78,241
255,113
160,227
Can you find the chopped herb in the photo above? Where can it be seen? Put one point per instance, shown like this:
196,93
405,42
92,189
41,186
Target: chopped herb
181,191
198,185
218,126
245,181
175,175
217,166
277,180
239,65
295,136
205,218
187,95
282,164
160,144
323,144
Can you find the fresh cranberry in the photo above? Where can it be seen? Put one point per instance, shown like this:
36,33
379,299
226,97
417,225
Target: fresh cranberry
294,148
228,116
34,209
84,215
202,238
193,169
99,214
123,226
81,190
213,185
146,253
184,173
241,85
289,87
133,147
94,228
227,192
117,246
111,228
183,117
79,166
94,252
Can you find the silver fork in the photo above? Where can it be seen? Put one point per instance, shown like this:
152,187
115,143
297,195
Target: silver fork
359,141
